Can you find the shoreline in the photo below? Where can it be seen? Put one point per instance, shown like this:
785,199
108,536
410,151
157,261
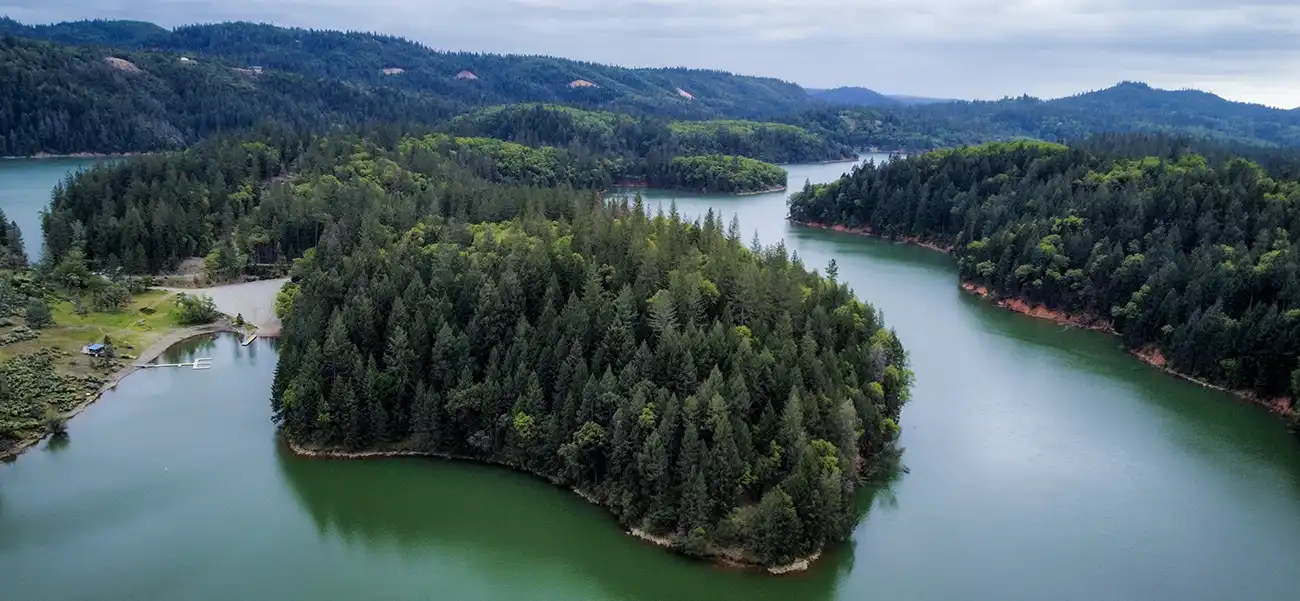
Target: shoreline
771,190
624,188
732,558
1151,355
871,233
170,339
77,155
852,159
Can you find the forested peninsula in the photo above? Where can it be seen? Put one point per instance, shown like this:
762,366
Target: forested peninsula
1194,263
449,300
147,215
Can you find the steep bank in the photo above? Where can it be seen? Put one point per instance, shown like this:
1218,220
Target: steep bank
733,558
1151,354
1018,305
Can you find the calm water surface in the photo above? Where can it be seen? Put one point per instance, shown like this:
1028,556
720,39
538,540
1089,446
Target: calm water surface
1044,464
25,186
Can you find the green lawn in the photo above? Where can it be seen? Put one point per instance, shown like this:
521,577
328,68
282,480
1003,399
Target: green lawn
132,330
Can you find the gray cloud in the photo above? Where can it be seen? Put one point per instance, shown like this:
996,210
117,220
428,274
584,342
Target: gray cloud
1246,50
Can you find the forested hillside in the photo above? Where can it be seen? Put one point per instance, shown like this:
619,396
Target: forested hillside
854,96
64,99
1127,107
313,78
641,137
1195,263
720,173
361,58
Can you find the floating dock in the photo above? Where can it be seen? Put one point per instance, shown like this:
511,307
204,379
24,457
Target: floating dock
249,339
204,363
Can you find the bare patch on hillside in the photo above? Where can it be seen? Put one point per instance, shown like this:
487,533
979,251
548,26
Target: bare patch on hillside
122,65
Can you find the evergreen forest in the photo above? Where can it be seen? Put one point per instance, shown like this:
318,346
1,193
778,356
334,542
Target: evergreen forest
717,395
228,195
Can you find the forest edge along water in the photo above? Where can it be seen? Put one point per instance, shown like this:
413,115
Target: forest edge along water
724,558
1150,354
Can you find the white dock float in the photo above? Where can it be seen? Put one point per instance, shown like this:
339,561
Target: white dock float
204,363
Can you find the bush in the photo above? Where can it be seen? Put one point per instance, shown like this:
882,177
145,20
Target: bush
38,314
112,298
284,299
196,309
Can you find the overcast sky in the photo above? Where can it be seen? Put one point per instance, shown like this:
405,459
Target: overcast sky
1245,50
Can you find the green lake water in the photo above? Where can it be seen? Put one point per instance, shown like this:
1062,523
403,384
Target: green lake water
25,186
1043,463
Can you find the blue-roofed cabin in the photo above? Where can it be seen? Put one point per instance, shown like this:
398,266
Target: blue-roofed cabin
96,349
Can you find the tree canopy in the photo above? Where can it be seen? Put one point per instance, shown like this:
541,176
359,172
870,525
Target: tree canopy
1196,260
699,388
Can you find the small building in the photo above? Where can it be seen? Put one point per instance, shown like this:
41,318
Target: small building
94,350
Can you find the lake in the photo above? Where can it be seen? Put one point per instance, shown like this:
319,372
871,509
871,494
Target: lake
1043,463
25,186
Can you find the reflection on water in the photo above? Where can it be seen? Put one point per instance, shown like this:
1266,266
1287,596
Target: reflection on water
435,510
57,442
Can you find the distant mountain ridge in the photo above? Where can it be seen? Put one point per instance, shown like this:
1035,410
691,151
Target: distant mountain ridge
362,59
1125,107
853,96
917,100
74,95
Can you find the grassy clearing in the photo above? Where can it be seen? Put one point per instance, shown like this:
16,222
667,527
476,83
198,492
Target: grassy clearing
133,329
48,375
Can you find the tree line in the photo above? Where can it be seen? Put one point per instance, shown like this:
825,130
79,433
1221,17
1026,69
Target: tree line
1194,259
644,137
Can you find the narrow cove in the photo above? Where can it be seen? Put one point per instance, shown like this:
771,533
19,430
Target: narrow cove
174,486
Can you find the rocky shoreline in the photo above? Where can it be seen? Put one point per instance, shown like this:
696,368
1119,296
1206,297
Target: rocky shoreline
867,231
1151,355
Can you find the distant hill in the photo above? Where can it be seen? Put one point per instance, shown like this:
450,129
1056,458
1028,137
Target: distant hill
853,96
1126,107
459,78
67,99
915,100
1191,106
113,86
